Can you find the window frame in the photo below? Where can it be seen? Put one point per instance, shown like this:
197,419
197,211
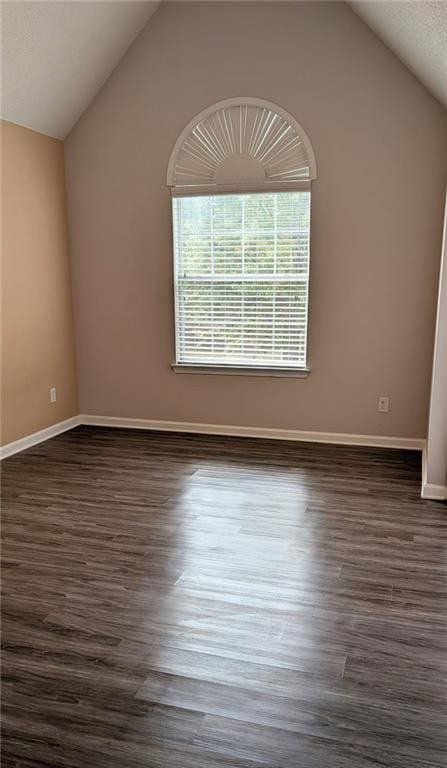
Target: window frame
195,153
243,369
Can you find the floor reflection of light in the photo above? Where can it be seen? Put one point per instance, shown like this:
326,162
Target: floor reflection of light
239,572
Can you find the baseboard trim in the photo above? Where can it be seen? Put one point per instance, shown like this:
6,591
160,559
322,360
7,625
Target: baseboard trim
373,441
435,492
336,438
430,490
38,437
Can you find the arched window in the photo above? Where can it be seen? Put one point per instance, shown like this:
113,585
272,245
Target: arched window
240,175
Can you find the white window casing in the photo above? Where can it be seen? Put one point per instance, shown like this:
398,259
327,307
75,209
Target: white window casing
240,176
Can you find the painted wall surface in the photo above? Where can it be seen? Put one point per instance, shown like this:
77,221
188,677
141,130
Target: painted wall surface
380,142
437,427
37,323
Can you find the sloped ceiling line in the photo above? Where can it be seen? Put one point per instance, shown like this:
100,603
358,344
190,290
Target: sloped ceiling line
416,31
57,55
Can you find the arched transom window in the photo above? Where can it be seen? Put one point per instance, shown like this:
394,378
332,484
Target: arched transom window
240,175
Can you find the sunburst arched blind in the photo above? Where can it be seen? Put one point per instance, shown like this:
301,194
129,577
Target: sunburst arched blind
240,177
241,142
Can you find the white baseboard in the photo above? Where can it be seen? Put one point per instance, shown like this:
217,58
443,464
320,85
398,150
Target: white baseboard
430,490
337,438
435,492
261,432
38,437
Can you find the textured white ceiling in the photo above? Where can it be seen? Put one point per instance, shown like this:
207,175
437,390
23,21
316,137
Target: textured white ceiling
417,33
56,55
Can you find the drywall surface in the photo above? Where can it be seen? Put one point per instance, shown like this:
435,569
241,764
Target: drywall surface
379,139
37,323
437,426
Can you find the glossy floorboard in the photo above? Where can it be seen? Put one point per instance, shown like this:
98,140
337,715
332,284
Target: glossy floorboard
200,602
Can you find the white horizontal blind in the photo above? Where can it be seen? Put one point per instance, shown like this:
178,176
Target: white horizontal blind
242,278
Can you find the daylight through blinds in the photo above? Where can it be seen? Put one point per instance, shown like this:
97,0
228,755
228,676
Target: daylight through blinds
241,279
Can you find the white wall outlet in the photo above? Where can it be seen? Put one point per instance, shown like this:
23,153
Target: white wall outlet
383,404
53,395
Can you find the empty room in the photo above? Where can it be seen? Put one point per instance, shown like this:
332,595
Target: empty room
224,384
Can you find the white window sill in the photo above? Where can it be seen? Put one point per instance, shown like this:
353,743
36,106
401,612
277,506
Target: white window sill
230,370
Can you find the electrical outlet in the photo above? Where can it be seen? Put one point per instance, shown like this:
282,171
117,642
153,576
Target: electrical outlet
53,395
383,404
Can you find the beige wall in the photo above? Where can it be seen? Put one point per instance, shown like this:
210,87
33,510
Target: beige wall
380,142
37,327
436,456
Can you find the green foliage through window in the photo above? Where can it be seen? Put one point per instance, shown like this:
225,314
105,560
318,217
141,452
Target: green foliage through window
241,278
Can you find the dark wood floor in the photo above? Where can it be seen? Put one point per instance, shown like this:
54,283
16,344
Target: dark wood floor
200,602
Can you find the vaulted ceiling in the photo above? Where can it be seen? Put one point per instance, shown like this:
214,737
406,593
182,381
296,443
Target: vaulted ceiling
57,55
416,30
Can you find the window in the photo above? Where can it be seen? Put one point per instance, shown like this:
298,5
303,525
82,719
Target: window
241,279
240,177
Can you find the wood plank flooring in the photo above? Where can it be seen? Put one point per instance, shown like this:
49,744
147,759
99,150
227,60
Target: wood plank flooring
207,602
